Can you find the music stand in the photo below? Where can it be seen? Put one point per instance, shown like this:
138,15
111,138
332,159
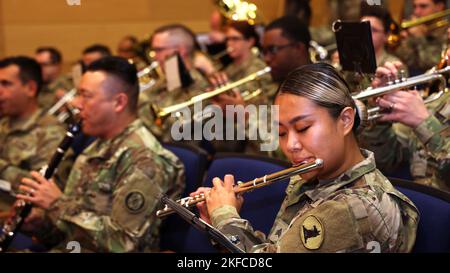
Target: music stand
355,46
201,225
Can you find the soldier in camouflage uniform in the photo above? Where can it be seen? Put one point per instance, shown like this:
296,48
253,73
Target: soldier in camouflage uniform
50,60
347,206
242,42
424,144
425,45
167,41
285,47
111,196
28,136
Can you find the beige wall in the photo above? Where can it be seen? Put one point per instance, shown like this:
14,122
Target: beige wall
27,24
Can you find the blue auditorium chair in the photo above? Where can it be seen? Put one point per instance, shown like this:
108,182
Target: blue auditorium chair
173,228
433,234
260,206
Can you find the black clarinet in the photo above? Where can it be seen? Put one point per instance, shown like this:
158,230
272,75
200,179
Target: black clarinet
21,208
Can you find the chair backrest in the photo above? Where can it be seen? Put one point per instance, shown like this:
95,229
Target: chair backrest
260,206
433,233
173,228
195,161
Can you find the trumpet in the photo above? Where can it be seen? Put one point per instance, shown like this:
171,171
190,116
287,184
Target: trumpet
249,186
161,113
149,76
438,75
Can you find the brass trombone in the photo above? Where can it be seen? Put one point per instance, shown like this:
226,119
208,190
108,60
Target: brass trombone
438,75
433,21
257,183
161,113
149,76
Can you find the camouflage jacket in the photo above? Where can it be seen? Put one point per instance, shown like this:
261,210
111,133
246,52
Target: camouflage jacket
161,97
259,92
424,52
426,148
110,199
47,98
358,212
27,145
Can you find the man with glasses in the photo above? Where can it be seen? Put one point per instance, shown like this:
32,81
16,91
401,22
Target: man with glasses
50,60
167,41
285,46
426,45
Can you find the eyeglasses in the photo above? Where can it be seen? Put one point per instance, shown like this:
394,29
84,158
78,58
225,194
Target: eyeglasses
275,48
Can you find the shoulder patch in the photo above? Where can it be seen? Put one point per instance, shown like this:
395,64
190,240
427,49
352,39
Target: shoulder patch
312,233
135,201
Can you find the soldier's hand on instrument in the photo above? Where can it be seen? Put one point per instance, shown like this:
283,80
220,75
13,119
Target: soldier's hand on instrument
201,206
387,72
42,192
223,194
406,107
218,79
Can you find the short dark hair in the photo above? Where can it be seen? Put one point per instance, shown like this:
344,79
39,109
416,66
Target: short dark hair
189,37
300,8
378,12
29,69
292,28
440,2
124,72
102,49
55,54
247,30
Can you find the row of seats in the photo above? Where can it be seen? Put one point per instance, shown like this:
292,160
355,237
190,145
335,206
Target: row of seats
261,206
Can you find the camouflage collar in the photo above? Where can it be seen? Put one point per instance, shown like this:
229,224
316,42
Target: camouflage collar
24,125
324,189
105,148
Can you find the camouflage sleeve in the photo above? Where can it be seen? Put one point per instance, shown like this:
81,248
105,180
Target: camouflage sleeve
228,221
426,53
390,150
142,177
48,140
435,136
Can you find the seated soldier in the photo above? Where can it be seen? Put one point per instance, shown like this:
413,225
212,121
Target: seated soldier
424,146
28,136
166,42
426,45
51,60
345,206
110,198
